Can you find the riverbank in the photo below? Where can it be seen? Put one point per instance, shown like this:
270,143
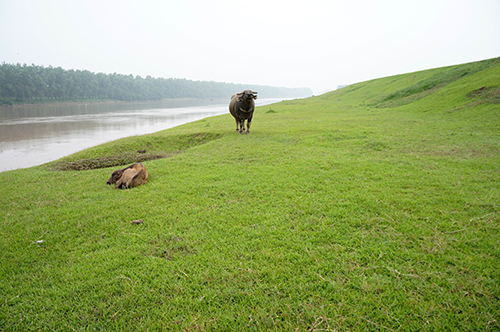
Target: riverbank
347,211
34,135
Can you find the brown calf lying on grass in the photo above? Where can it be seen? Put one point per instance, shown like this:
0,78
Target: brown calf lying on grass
129,177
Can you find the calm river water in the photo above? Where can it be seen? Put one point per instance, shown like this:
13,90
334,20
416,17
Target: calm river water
34,135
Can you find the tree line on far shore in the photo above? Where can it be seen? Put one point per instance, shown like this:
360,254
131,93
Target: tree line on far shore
33,84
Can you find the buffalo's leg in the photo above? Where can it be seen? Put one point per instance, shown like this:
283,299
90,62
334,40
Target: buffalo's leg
237,124
242,126
249,121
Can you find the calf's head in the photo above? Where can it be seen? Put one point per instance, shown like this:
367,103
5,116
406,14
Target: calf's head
115,176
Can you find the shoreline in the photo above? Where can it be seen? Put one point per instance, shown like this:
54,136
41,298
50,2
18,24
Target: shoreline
20,153
20,156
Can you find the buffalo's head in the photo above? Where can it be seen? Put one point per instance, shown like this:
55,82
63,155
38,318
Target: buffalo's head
247,94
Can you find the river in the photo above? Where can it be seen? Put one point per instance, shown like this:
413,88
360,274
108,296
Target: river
33,135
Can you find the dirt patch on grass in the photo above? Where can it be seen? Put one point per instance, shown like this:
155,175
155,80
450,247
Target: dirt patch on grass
464,153
486,95
131,150
104,162
170,248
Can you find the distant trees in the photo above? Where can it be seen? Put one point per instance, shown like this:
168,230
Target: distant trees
31,84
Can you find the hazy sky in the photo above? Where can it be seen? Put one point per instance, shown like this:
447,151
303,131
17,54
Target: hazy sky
310,43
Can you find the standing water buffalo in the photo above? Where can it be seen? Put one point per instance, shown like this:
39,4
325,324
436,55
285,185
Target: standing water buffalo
241,107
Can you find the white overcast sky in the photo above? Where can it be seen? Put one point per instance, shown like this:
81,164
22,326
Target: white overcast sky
309,43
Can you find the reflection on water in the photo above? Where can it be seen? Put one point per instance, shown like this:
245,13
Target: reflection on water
34,135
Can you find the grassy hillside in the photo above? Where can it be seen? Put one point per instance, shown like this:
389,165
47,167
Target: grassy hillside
374,207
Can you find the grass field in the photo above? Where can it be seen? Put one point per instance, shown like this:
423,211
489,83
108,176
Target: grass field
373,207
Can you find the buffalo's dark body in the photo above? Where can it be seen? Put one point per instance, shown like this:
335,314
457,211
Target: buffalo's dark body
241,107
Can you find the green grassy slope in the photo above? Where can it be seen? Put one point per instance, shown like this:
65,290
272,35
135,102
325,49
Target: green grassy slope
374,207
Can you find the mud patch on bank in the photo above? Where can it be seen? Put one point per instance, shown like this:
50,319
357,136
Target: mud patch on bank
485,95
131,150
